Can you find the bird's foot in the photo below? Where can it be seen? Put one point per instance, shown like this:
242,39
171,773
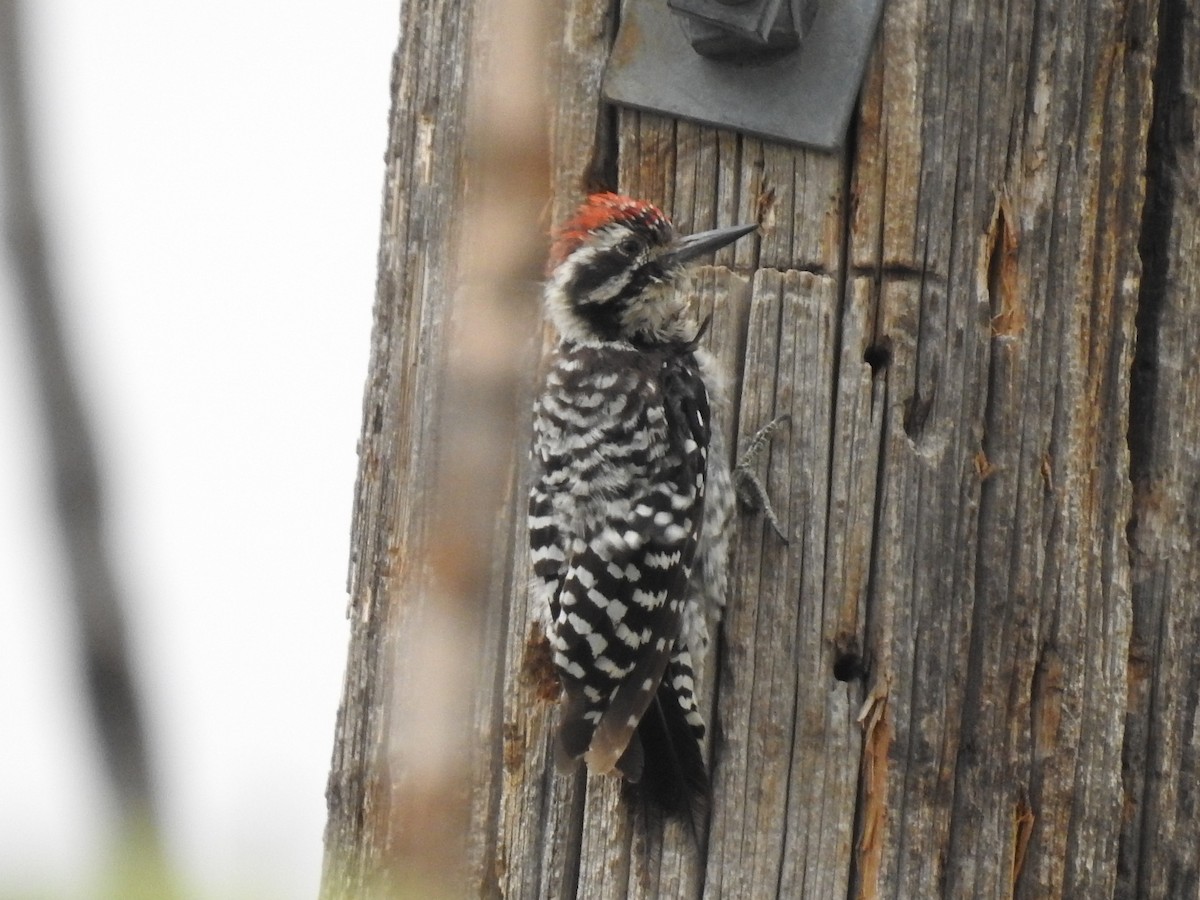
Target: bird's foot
751,492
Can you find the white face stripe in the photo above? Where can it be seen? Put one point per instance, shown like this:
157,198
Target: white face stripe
610,288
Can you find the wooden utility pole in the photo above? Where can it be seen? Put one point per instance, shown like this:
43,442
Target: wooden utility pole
972,670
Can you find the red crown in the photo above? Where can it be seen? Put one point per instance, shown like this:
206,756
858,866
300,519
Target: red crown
597,211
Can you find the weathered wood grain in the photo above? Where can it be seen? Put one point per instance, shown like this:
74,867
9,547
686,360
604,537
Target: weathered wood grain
1160,839
422,186
1007,147
786,745
969,672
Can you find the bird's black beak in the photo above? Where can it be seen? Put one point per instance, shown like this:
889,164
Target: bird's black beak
687,248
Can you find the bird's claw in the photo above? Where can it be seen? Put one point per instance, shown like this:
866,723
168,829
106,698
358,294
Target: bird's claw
751,492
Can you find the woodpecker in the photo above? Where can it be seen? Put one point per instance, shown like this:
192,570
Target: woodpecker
631,506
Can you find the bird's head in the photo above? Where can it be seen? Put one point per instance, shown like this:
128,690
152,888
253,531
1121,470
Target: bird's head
611,270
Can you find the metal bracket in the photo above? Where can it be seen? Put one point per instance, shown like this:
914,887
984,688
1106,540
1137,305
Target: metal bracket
804,96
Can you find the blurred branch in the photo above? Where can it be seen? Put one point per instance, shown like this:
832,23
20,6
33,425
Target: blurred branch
94,593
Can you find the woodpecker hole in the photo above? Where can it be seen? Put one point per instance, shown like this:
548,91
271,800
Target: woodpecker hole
878,356
849,666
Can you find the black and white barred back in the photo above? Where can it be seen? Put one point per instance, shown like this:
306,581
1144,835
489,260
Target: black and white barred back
621,440
631,506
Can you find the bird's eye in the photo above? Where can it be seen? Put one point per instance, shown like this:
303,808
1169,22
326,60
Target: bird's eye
629,246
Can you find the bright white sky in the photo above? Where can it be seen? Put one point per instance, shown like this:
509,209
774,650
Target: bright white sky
214,174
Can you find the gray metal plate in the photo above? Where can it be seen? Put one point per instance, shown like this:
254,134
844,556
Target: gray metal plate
805,97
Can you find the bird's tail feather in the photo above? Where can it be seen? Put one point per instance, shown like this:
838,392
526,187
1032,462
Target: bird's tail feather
674,775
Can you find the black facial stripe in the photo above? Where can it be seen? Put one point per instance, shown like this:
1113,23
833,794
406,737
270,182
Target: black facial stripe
596,272
640,281
602,319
